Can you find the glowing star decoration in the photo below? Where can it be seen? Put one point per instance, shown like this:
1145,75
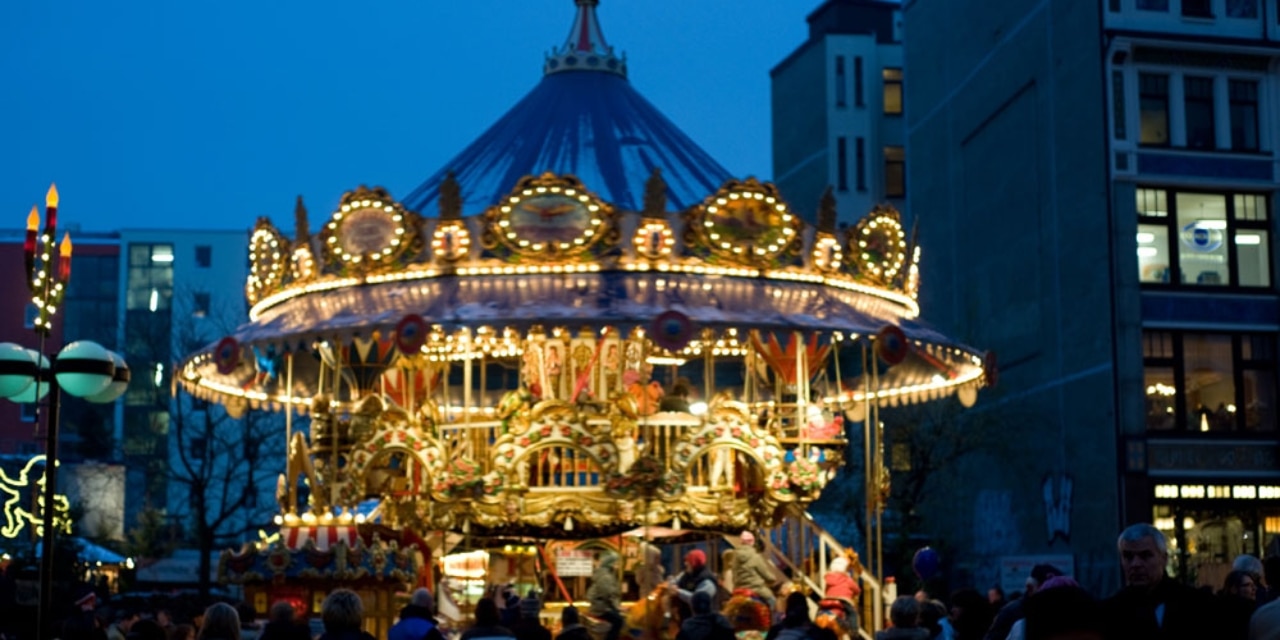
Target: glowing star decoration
16,515
654,240
827,255
451,241
266,262
880,245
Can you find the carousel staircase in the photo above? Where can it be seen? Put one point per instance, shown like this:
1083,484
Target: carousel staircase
799,544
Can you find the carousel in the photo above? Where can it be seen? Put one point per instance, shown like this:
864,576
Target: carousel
593,352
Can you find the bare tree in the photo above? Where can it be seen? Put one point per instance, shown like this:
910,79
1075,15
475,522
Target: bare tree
222,465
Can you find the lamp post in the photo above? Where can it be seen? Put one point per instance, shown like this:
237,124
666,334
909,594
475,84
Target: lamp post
84,369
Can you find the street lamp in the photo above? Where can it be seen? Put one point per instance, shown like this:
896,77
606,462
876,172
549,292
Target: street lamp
83,369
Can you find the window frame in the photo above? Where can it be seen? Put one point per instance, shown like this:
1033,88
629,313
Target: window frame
1234,225
842,89
885,74
1256,102
901,163
204,256
1239,365
1165,97
1195,97
859,95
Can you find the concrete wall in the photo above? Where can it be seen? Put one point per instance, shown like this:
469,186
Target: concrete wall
1007,179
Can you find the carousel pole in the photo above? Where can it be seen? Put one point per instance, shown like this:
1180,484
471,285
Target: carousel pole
867,472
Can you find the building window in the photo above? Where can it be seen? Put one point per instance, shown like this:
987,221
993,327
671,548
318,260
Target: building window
892,91
1113,6
1153,104
1197,8
204,256
27,411
1117,103
29,315
858,98
1209,383
1198,94
895,172
1153,5
842,89
842,164
1244,114
1242,8
200,304
1203,239
860,153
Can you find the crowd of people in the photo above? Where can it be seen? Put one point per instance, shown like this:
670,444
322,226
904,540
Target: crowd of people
1150,605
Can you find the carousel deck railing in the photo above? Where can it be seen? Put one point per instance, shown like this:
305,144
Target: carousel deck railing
564,467
804,547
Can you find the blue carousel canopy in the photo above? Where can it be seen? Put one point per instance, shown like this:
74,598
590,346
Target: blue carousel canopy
584,118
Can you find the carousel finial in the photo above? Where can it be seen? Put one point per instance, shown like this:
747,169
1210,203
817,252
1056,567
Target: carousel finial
827,211
585,49
301,228
450,198
655,195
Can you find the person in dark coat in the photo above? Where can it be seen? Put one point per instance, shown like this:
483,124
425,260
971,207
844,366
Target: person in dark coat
417,619
1014,610
1153,606
343,616
705,624
1237,602
571,625
796,624
486,625
529,626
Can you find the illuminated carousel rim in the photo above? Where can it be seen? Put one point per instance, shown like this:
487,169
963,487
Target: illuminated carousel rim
619,299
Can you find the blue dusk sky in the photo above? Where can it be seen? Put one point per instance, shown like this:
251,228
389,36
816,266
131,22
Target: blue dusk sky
153,114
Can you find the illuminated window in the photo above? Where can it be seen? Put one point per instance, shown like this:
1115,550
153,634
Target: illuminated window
1193,239
893,91
1153,107
1209,383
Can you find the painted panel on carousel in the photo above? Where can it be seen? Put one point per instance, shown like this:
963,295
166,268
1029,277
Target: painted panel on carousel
370,232
549,218
745,223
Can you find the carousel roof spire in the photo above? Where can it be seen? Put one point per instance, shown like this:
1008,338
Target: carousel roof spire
585,49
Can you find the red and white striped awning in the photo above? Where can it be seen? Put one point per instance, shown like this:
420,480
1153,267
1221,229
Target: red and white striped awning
324,536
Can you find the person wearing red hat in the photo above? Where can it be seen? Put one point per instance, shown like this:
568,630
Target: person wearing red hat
696,578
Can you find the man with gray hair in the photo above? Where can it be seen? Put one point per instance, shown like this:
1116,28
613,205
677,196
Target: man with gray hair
1151,604
417,619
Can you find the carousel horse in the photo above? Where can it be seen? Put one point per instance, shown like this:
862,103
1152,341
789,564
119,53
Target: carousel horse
650,619
747,611
833,616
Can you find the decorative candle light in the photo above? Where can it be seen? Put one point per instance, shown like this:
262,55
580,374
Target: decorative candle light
29,245
64,258
51,209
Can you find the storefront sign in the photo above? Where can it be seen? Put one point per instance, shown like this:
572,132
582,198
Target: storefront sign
1014,570
573,563
1222,457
